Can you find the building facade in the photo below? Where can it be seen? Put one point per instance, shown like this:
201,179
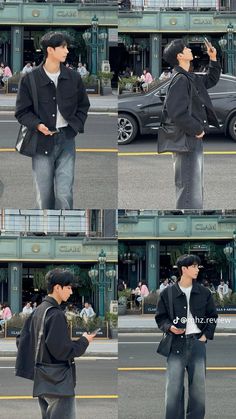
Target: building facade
146,27
150,243
33,242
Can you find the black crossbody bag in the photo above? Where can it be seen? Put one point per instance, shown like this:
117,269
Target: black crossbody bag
27,138
52,380
170,137
165,344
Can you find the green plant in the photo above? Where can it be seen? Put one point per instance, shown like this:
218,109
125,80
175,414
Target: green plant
152,298
127,82
112,319
105,75
90,325
90,80
124,293
16,321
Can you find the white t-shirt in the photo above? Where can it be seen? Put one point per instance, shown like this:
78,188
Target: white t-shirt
60,122
191,326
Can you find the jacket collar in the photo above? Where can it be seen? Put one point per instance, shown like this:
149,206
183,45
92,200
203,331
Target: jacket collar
44,79
52,301
178,69
195,288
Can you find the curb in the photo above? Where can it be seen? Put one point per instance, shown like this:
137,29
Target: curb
92,109
155,330
12,354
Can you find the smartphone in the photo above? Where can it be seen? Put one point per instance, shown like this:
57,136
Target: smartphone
207,43
53,132
94,332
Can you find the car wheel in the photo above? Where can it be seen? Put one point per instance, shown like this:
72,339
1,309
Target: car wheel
232,128
127,129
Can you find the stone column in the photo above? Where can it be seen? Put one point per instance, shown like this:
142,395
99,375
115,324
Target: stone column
17,36
15,286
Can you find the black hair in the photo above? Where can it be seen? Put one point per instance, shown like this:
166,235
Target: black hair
54,39
172,50
60,277
187,260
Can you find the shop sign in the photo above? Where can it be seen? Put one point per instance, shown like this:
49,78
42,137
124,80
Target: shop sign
205,227
69,249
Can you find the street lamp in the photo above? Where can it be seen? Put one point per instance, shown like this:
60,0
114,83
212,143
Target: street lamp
102,277
230,253
94,40
228,46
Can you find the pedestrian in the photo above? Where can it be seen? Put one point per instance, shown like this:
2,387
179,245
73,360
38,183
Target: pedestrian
27,309
27,68
189,107
57,346
87,312
63,106
194,322
81,69
164,284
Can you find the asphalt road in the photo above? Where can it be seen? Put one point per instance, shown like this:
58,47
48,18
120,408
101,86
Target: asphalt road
96,391
141,392
96,165
146,180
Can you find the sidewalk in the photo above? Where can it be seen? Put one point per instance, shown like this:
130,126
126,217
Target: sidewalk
97,103
146,324
102,347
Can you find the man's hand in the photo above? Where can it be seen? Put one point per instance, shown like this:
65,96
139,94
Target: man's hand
203,338
211,51
200,135
42,128
177,331
89,337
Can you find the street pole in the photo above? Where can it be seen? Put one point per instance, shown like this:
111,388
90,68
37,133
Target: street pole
101,289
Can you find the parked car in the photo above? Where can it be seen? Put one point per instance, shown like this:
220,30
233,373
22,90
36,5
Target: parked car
141,112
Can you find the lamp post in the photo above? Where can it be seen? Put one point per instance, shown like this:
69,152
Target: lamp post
102,277
94,40
230,253
228,46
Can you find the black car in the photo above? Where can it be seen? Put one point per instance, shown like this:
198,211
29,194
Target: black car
141,112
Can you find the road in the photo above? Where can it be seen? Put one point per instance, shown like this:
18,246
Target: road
96,165
96,391
141,378
146,179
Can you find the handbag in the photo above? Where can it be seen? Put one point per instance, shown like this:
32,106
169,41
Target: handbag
52,380
165,344
171,138
27,138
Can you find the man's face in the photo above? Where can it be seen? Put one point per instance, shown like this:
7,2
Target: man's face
186,54
65,292
59,53
191,271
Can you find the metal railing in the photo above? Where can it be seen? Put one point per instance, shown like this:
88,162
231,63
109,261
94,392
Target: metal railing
176,5
49,222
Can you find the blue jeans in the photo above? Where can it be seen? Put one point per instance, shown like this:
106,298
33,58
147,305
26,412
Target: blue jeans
61,408
54,175
193,359
188,171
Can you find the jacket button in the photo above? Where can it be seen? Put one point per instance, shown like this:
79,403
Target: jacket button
53,114
177,352
181,336
54,98
204,122
46,152
203,106
185,307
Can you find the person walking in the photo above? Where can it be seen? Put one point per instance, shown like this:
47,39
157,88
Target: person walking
62,111
193,324
189,107
57,346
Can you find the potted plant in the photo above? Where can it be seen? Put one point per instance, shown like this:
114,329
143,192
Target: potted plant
105,78
14,325
122,300
92,84
112,319
150,302
12,83
78,326
127,84
227,305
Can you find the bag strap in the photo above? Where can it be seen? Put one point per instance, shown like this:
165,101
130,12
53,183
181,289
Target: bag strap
170,298
190,101
40,336
34,92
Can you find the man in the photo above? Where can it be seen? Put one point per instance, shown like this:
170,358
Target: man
222,289
58,346
27,68
27,309
87,312
63,107
193,118
194,322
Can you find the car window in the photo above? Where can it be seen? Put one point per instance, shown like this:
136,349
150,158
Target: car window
224,86
163,87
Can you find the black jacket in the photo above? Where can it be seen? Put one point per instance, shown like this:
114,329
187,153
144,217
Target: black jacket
202,307
70,96
58,345
178,100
